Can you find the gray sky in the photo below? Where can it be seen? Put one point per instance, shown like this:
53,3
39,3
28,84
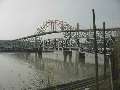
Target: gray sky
21,17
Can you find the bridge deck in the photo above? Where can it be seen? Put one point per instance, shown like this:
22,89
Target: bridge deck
50,32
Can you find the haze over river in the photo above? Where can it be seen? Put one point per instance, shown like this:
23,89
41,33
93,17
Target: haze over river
25,71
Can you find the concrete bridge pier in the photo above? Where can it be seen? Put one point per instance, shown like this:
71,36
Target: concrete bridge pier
67,55
40,50
36,57
27,55
107,60
40,55
43,46
70,56
58,47
80,57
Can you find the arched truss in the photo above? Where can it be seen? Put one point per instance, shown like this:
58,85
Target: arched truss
56,25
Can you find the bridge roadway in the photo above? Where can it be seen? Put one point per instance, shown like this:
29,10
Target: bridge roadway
32,41
80,30
36,50
77,85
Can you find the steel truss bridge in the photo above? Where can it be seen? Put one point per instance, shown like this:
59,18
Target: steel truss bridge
66,38
70,38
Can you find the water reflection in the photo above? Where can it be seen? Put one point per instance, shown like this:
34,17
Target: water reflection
33,71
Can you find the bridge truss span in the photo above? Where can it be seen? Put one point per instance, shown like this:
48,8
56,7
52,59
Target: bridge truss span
71,38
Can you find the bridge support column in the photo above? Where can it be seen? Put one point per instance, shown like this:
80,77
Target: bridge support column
40,53
27,55
82,57
36,56
107,60
67,53
65,56
43,45
58,46
70,56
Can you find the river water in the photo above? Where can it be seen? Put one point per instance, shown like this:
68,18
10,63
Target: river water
23,71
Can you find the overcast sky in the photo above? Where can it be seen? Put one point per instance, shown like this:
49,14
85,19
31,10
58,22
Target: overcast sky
21,17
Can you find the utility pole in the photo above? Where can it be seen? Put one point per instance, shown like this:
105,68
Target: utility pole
95,48
105,59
